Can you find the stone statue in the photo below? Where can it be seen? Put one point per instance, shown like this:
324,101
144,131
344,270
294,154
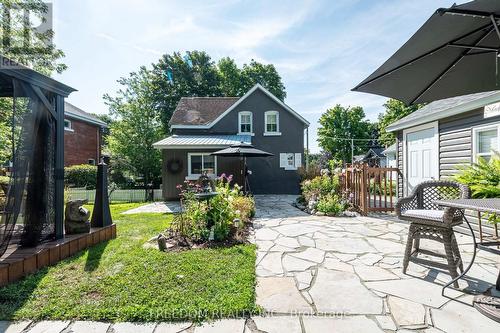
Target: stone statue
76,219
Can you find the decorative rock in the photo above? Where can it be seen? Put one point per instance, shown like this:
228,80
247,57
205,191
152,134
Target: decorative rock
76,217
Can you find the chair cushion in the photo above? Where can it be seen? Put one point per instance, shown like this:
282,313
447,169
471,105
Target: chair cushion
426,214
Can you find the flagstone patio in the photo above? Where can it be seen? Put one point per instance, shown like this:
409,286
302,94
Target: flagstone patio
347,266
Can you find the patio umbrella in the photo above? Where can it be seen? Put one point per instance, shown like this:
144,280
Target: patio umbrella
454,53
242,150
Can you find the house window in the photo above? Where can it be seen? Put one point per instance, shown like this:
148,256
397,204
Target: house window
91,161
200,163
486,141
271,123
68,126
290,161
245,122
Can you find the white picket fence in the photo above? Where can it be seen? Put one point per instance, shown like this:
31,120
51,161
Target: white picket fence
115,196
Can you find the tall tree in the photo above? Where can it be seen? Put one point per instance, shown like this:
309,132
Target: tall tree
394,110
266,75
340,124
137,126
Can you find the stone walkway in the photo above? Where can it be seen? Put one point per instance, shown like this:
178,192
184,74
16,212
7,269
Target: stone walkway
323,274
156,207
351,267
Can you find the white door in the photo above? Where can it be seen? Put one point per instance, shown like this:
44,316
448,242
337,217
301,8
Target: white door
421,156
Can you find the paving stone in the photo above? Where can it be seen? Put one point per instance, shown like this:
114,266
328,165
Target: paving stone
288,242
133,327
279,294
391,235
13,326
344,245
416,290
292,264
374,273
52,326
278,324
370,258
332,263
264,245
354,324
306,241
311,254
280,248
342,292
266,234
385,246
457,317
304,279
296,229
89,327
363,230
222,326
386,322
407,313
171,327
345,257
272,263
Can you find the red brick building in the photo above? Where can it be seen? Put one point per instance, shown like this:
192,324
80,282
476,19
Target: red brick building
82,136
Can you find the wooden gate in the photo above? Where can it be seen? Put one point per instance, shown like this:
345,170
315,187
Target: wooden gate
371,189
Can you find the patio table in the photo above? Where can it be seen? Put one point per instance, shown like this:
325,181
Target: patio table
486,304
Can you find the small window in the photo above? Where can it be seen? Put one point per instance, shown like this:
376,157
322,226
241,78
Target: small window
290,161
68,126
245,122
200,163
486,142
271,122
91,161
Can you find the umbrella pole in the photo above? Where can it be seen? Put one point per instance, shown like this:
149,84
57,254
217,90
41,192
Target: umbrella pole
245,174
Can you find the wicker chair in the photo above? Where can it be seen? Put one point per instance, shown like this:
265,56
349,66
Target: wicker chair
429,221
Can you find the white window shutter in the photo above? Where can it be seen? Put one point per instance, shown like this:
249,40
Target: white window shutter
298,160
282,160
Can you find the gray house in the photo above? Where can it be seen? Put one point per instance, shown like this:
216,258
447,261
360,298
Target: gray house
202,125
435,140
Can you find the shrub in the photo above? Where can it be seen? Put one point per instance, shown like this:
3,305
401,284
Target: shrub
331,204
483,178
83,175
309,173
320,186
228,205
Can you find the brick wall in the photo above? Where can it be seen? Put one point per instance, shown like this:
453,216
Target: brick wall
82,143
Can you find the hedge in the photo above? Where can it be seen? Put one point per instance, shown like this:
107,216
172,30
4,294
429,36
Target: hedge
83,175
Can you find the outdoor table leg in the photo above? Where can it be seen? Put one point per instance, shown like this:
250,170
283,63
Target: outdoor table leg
473,255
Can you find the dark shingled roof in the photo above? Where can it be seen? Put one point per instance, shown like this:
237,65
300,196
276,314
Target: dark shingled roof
200,110
72,111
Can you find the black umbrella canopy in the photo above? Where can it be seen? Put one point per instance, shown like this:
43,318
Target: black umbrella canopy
454,53
242,150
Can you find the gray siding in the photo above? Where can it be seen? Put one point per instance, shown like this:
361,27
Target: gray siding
267,177
455,149
399,161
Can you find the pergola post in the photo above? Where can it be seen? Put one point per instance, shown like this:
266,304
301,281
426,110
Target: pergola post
59,168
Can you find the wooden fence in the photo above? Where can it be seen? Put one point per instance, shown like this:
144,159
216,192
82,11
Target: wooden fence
371,189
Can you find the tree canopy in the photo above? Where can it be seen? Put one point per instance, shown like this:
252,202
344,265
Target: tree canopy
394,110
338,125
142,108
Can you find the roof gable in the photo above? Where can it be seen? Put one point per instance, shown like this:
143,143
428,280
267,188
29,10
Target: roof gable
202,119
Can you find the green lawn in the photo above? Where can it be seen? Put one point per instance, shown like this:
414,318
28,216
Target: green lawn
120,281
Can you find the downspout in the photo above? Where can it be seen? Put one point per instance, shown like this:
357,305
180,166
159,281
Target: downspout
307,148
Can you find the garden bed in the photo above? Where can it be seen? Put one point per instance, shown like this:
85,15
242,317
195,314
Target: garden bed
119,280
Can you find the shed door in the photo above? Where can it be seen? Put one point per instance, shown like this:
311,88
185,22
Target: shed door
422,157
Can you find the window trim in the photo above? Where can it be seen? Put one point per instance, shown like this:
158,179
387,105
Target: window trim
277,132
70,128
245,113
475,141
194,176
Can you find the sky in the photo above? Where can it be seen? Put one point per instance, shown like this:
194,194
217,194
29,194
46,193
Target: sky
321,48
